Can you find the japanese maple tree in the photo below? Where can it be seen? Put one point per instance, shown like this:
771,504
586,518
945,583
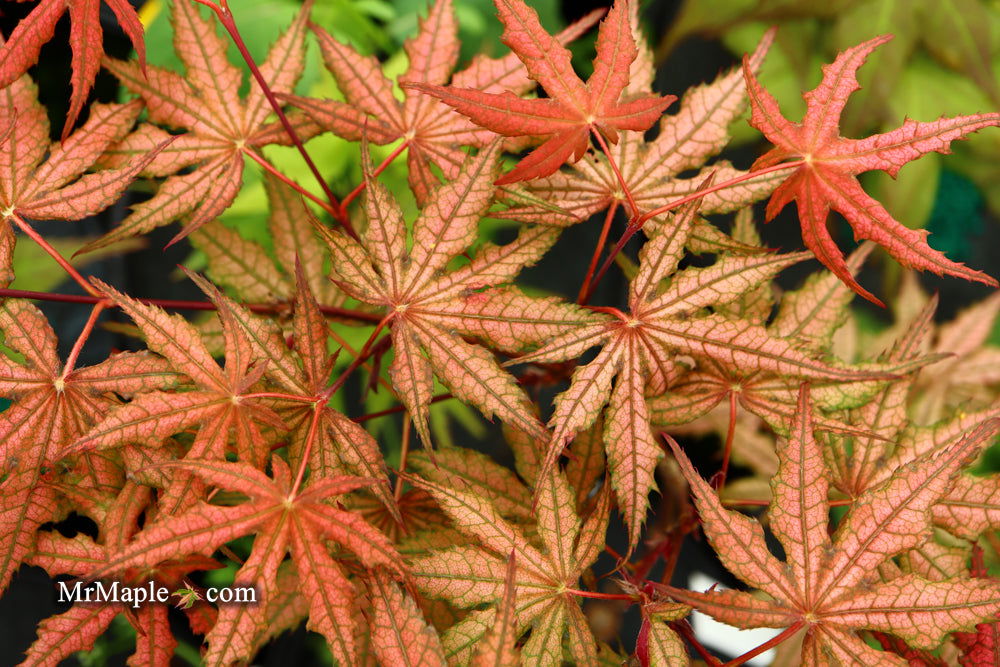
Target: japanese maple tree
316,431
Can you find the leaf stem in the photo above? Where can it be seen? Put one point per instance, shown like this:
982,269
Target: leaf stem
637,222
601,596
399,408
352,352
52,252
403,456
358,360
378,170
319,201
614,166
173,304
769,644
683,628
719,480
307,450
584,293
74,354
229,23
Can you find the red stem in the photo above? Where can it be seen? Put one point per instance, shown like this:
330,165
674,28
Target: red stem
769,644
358,360
398,408
307,450
720,478
229,23
684,630
614,166
636,224
601,596
173,304
319,201
37,238
378,170
82,338
584,293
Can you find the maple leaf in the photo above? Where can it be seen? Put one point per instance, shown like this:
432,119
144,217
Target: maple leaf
220,128
657,644
639,349
400,635
52,404
340,446
251,272
428,313
651,169
829,587
808,316
285,519
46,181
472,575
85,39
827,177
76,629
216,404
573,108
431,130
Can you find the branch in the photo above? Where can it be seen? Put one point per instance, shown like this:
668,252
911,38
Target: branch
173,304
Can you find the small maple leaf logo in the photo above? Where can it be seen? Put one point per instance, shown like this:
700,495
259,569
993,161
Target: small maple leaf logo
186,596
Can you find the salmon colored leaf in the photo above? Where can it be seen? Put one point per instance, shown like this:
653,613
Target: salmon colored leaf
826,179
86,39
573,108
651,169
830,586
219,127
544,575
47,181
285,520
52,404
639,350
432,132
429,310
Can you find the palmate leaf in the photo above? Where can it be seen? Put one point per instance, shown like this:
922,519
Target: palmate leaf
432,131
51,406
808,316
830,586
220,128
828,177
573,108
76,629
299,523
46,181
216,401
651,169
430,311
470,575
640,349
341,447
85,38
